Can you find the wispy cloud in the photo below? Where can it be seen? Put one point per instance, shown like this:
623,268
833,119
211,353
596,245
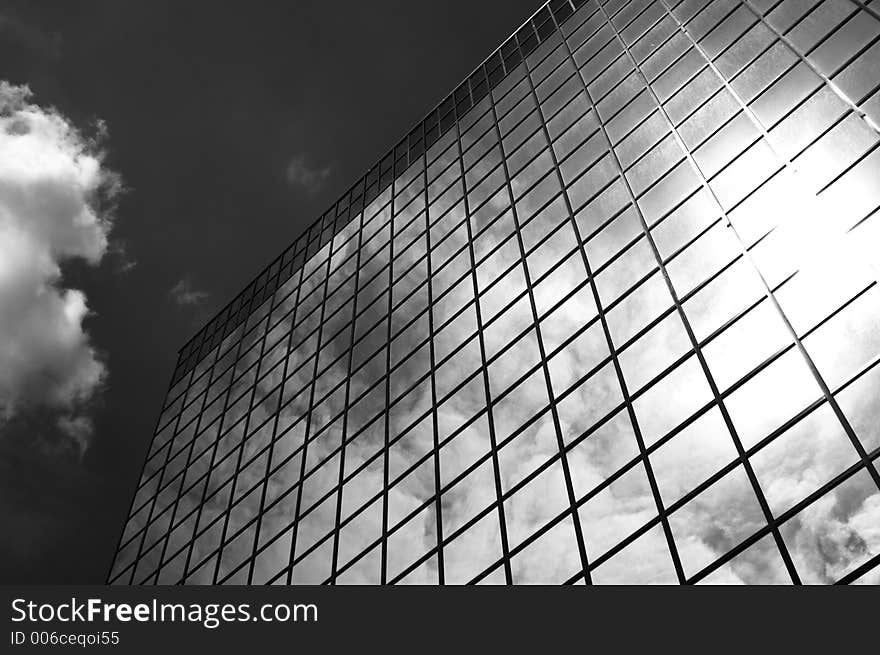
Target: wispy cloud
301,173
52,186
184,294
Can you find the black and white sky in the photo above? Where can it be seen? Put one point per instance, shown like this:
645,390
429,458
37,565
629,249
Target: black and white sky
179,147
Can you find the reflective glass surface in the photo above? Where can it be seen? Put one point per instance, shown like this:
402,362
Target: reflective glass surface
609,315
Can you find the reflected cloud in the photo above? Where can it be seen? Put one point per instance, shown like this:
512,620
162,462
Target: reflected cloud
688,352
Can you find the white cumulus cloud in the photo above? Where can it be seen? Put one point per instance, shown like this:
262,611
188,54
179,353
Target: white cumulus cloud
52,186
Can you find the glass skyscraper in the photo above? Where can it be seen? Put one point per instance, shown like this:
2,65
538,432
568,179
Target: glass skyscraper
609,314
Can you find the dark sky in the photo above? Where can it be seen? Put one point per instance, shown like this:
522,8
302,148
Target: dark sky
206,104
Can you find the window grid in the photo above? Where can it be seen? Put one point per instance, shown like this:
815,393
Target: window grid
569,174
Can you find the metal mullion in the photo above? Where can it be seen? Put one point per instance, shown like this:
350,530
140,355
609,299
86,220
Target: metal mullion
571,101
529,113
425,375
681,87
638,15
461,429
647,29
594,55
475,141
859,571
827,37
855,163
244,437
306,435
863,219
544,529
409,203
692,337
507,440
274,437
357,341
362,311
618,10
789,514
864,7
656,48
346,406
446,323
867,96
715,26
650,450
839,309
186,465
479,515
243,373
375,255
475,465
596,193
443,171
172,454
345,297
303,319
439,195
557,89
666,69
756,56
575,28
447,396
169,441
409,269
522,144
658,444
378,248
491,194
190,402
614,87
507,93
656,143
531,476
748,146
432,367
715,477
786,162
119,544
492,223
436,157
168,403
383,570
502,522
204,529
717,131
634,128
448,260
622,470
804,58
735,40
155,496
666,173
532,303
448,234
211,468
775,5
584,140
424,458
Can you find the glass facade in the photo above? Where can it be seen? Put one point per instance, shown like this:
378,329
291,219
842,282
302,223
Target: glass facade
609,314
